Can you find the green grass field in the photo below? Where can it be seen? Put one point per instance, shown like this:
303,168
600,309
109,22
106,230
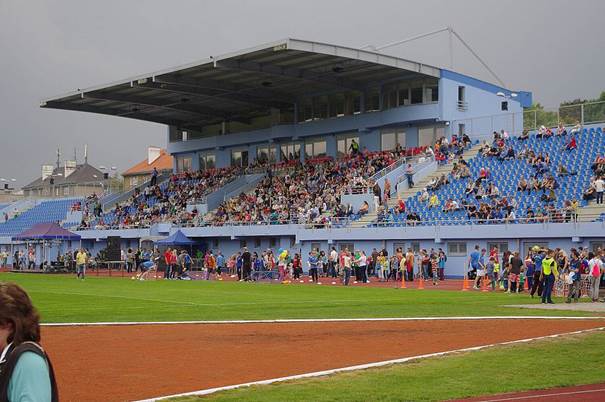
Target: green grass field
577,360
65,299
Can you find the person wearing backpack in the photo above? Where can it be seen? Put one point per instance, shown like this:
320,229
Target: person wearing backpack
549,274
595,269
26,373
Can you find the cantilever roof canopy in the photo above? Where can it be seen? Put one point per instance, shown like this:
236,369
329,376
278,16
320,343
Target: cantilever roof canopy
242,85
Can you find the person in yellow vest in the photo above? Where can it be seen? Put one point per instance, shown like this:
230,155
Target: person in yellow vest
81,259
549,275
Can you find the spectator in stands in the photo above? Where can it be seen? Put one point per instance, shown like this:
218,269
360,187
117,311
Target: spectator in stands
433,201
576,129
561,129
572,144
524,135
409,173
599,187
154,177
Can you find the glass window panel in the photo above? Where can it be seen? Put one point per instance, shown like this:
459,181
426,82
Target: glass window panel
404,96
308,151
426,136
416,95
388,141
319,149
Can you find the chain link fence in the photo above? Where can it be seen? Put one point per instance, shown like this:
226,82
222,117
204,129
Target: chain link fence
585,113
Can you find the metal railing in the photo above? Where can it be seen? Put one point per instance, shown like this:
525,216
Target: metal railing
334,222
585,113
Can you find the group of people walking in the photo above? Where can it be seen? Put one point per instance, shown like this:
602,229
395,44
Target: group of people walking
540,271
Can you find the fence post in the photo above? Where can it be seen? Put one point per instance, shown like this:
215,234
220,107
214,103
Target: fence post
582,113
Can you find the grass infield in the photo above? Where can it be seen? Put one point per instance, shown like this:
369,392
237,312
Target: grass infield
66,299
547,363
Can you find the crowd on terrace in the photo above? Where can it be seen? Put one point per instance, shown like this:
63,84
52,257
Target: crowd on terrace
546,190
290,191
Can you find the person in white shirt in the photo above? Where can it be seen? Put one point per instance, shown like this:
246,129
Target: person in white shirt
362,262
595,270
599,186
332,262
346,259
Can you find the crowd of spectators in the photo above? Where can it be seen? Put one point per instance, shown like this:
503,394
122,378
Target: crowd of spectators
308,193
165,202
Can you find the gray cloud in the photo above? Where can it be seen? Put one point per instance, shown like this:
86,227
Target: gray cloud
552,48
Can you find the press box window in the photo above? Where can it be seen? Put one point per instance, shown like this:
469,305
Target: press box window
504,106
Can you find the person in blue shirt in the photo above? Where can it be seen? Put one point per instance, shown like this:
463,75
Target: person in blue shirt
473,259
26,373
220,263
537,283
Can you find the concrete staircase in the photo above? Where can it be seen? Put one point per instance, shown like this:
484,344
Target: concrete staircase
590,212
443,169
405,194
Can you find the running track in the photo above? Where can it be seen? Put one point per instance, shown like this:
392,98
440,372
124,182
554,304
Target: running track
584,393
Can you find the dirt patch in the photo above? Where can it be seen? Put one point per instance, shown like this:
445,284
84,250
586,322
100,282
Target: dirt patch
118,363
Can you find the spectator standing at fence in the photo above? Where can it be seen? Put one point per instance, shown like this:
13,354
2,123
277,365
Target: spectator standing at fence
549,275
529,271
363,266
595,270
409,174
154,177
599,186
31,258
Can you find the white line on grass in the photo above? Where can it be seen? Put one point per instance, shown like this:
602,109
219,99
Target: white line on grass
313,320
363,366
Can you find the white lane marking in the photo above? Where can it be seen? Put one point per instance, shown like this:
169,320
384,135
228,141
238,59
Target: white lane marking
363,366
313,320
520,398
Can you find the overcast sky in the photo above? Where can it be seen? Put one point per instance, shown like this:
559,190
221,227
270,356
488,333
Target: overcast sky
553,48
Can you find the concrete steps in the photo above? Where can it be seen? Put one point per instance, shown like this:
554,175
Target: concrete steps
590,212
443,169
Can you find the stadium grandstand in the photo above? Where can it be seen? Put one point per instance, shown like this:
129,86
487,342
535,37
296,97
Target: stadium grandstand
301,145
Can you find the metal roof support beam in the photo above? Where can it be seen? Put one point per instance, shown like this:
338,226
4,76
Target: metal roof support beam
260,97
295,73
146,103
114,112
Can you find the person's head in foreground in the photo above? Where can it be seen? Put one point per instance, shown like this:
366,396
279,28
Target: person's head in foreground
25,371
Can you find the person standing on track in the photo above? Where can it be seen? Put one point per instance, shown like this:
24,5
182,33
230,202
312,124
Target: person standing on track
473,261
549,275
26,373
